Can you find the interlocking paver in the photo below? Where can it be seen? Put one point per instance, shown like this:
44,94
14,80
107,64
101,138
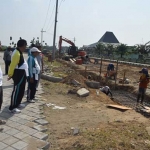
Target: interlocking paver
19,132
41,121
21,135
12,131
41,135
9,148
10,140
2,145
19,145
3,136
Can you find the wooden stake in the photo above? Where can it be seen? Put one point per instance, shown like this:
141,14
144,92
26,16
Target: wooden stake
116,74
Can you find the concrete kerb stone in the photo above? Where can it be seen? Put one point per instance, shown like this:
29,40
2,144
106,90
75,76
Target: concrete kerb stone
51,79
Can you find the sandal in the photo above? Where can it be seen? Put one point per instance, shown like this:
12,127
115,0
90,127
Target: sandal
2,122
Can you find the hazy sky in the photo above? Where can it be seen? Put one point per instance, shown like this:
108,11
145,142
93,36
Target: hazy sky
86,20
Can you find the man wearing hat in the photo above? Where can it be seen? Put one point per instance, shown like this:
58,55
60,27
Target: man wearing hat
34,70
143,82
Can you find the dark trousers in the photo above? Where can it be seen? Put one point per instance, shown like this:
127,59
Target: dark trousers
141,94
1,96
7,64
31,89
19,79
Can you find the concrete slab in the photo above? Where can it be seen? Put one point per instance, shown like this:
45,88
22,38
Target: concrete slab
83,92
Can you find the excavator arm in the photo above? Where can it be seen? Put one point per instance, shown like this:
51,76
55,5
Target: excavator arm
66,40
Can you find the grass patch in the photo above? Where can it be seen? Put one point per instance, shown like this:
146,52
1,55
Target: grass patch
117,136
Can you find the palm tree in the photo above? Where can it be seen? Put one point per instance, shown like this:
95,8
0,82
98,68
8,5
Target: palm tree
122,50
100,49
110,49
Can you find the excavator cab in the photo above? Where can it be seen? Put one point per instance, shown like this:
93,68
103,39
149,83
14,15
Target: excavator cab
73,50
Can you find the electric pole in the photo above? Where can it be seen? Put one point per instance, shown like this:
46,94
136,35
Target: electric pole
74,40
42,38
55,26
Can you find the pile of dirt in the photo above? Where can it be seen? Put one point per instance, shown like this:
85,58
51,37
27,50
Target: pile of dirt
75,76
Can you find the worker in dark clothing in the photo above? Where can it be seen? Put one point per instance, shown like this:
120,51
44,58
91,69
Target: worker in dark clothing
18,71
106,90
110,68
143,82
7,59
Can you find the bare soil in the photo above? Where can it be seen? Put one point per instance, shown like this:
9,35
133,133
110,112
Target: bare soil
100,128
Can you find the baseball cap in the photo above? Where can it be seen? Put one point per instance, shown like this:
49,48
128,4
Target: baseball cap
144,70
34,49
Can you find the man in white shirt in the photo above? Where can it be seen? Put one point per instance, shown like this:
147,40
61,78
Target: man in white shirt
106,90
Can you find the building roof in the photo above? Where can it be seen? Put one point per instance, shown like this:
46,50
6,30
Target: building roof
108,37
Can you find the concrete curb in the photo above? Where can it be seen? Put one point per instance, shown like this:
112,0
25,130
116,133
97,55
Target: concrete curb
51,78
93,84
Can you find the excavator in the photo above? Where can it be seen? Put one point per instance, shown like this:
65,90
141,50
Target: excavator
73,51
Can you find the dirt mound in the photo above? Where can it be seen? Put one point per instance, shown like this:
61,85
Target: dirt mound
76,76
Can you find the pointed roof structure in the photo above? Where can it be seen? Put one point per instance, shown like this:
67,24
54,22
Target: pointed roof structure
109,37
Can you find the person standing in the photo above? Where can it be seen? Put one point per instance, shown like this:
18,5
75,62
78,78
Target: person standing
7,59
1,98
34,70
143,82
1,88
40,62
18,71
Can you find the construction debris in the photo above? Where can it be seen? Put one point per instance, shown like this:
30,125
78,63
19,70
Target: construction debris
76,131
83,92
93,84
119,107
75,82
55,107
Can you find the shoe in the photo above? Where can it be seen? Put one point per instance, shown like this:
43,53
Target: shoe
31,101
35,99
15,110
21,106
2,122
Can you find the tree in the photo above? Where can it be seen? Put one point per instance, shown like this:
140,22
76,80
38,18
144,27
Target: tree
122,49
110,49
100,48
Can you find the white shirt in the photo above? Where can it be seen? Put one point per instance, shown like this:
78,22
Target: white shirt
1,76
105,89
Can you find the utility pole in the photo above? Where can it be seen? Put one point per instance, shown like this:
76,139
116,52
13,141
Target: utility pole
74,40
42,38
54,39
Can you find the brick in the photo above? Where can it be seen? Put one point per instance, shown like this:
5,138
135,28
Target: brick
30,131
40,135
6,128
2,145
10,140
19,145
12,124
41,121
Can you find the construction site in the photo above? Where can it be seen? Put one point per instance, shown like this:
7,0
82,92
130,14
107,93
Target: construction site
91,120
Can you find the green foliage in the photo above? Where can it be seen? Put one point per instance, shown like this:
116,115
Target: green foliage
122,50
100,49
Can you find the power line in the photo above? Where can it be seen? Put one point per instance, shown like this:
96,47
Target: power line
47,13
50,18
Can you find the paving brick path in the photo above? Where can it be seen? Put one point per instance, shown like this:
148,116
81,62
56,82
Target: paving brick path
24,131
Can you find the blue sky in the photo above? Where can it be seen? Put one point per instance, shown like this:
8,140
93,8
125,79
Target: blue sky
86,20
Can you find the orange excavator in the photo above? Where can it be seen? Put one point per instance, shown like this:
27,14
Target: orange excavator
72,50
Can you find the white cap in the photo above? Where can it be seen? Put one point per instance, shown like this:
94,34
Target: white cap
34,49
